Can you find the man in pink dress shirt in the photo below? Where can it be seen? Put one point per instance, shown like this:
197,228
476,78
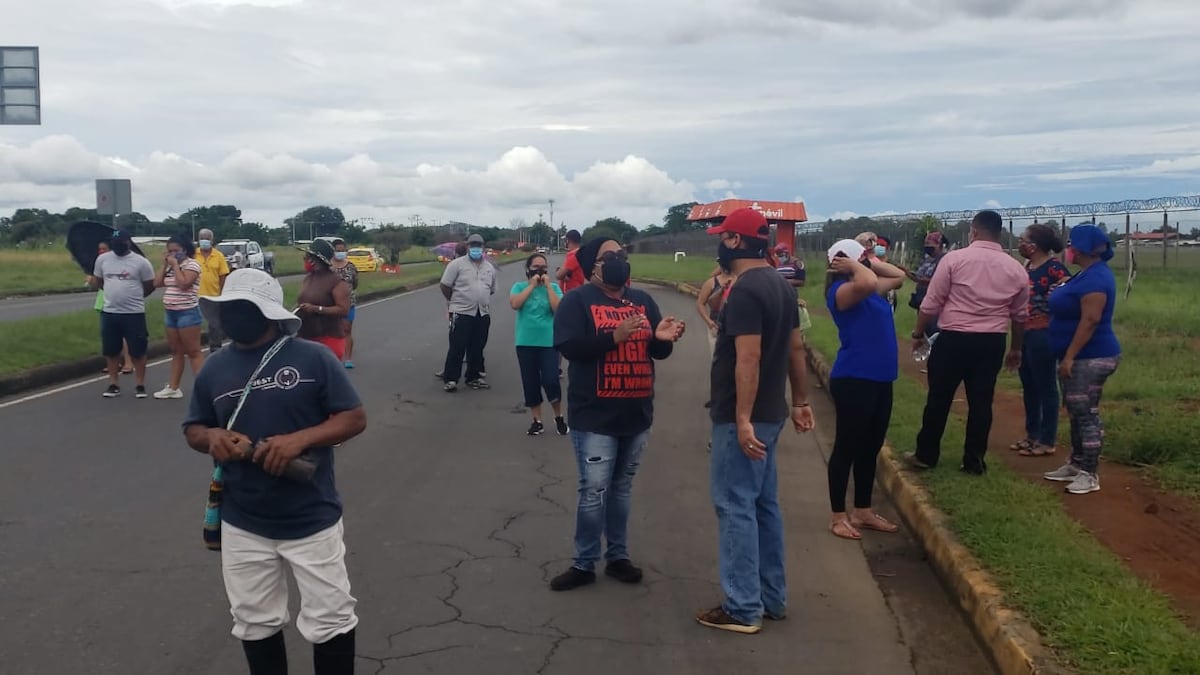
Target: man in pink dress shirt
977,294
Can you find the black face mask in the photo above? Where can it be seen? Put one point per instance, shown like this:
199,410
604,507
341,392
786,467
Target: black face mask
119,247
534,271
929,250
726,255
615,270
242,321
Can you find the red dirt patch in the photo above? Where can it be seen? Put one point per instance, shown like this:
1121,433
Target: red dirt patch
1155,532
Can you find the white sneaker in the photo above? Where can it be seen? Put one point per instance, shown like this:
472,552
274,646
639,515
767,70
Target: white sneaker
167,392
1084,483
1063,474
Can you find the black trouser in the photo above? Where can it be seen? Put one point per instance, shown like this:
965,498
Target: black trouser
864,409
468,336
539,372
974,359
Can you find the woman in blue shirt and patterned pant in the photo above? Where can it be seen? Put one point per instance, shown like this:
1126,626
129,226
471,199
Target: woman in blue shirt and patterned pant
1082,337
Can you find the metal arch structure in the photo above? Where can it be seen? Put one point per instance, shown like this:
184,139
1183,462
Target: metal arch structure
1154,205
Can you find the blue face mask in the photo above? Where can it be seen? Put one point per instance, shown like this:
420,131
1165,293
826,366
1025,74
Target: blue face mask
205,244
340,255
475,253
880,251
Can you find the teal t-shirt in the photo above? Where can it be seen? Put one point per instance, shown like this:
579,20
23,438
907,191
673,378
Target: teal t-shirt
535,321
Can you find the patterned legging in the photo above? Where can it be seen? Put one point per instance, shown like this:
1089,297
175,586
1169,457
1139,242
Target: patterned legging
1081,397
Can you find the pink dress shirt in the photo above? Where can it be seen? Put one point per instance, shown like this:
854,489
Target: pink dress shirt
978,289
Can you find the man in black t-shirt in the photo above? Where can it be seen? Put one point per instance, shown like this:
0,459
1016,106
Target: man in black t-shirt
300,402
611,335
759,348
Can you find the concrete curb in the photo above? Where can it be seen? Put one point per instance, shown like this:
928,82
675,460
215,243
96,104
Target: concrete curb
1013,644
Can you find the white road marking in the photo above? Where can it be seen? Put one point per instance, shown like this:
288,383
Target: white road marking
102,378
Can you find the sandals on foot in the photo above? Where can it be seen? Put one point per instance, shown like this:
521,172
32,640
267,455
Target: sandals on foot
1022,445
877,523
843,529
1037,450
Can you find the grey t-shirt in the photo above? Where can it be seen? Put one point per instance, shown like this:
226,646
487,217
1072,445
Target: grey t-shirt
123,278
472,283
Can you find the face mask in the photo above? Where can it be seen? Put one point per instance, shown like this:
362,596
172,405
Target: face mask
475,253
205,244
534,271
1070,257
726,255
929,250
180,256
242,321
880,251
340,255
614,271
120,247
309,266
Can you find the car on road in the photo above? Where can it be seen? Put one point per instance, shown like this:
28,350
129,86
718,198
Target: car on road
543,250
247,254
365,259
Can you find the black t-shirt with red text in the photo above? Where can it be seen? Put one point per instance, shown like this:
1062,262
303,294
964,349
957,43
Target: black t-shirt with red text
611,388
759,303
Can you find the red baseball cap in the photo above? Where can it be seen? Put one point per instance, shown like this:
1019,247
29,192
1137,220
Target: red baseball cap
746,222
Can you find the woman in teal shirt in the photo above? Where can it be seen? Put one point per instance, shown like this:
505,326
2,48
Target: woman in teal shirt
536,300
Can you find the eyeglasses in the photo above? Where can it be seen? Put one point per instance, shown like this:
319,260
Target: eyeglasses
618,256
539,270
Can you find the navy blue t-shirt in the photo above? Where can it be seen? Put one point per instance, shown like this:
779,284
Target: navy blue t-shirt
867,332
1066,307
300,387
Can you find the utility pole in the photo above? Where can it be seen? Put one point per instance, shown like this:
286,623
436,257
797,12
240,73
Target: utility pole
193,225
552,216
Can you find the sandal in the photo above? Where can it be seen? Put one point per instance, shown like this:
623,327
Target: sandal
1038,450
843,529
877,523
1023,444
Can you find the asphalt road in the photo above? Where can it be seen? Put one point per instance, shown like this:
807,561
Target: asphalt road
455,520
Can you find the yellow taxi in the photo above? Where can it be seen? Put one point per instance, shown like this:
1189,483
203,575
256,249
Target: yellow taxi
364,259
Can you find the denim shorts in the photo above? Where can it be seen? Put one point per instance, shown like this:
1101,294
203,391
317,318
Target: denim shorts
179,319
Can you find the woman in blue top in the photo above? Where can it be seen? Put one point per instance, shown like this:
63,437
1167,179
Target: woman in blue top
536,301
1081,335
861,381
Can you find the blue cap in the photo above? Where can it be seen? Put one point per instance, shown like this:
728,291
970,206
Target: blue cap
1091,240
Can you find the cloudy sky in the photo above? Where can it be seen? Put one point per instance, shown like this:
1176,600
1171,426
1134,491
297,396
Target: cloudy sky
481,111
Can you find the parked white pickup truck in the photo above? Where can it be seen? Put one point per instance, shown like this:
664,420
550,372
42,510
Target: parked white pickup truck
243,253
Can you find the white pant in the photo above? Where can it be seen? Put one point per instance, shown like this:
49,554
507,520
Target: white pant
255,582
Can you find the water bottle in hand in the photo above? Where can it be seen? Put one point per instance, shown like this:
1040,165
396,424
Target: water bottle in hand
922,353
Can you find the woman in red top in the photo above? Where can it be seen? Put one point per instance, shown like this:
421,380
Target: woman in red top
1038,366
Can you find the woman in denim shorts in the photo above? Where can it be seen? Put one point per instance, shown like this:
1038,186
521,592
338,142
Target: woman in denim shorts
180,277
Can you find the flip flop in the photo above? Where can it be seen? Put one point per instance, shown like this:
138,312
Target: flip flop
877,523
1037,450
845,530
1023,444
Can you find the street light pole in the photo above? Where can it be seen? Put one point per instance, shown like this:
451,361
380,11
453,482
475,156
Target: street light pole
552,215
193,226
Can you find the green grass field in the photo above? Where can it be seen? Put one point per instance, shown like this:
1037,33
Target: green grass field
24,344
51,270
1087,605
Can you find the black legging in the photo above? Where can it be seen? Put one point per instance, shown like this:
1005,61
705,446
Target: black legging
864,409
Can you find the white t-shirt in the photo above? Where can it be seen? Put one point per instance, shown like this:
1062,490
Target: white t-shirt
123,282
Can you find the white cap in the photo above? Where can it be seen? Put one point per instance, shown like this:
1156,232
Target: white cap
258,287
847,247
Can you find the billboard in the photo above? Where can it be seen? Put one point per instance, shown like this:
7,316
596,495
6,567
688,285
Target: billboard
114,196
20,86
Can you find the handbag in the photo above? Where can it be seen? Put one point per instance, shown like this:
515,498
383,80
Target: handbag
917,297
212,509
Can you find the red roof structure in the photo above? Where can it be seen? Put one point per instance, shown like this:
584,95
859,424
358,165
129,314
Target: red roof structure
782,215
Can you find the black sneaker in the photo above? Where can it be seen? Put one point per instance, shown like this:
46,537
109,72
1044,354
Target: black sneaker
140,392
560,425
478,384
113,391
536,428
623,571
450,387
571,579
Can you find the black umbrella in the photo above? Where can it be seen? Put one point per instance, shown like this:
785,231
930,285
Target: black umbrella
83,242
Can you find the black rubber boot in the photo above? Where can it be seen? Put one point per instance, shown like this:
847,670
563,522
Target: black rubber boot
266,657
335,657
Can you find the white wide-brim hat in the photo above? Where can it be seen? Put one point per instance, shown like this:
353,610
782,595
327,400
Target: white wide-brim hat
254,286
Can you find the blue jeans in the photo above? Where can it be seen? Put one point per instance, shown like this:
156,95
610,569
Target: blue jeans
607,465
746,496
1039,384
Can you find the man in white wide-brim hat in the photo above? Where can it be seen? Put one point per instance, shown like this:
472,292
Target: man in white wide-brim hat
287,397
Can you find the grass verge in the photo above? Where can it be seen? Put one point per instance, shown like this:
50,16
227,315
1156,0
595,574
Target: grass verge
25,344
